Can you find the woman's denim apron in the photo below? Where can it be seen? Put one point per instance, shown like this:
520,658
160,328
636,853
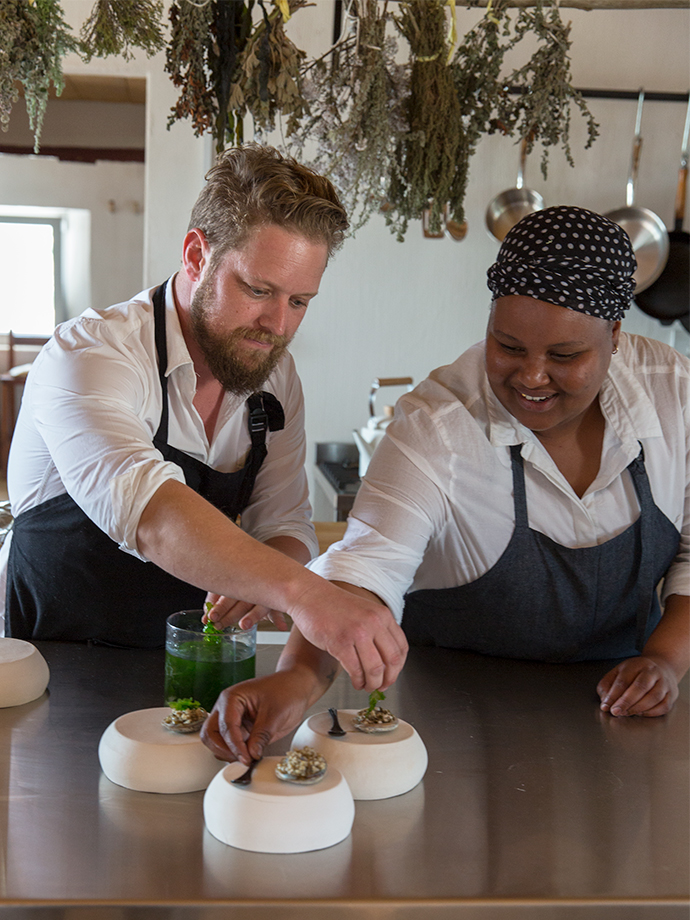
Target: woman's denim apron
548,602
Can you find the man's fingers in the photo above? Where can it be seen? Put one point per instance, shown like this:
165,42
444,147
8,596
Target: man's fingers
229,612
394,654
256,614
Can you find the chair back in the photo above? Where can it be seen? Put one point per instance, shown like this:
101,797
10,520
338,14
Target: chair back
17,341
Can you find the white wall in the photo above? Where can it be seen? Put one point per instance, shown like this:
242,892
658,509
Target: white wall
116,235
391,309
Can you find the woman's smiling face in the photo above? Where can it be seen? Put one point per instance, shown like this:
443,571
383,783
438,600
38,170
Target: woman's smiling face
546,363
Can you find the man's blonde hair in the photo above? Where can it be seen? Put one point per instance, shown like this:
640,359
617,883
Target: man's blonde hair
255,185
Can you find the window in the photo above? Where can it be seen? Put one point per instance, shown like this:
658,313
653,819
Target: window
32,298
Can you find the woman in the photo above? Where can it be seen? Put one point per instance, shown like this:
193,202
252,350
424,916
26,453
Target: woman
528,499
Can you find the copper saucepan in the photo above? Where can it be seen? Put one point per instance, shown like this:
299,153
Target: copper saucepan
647,231
506,209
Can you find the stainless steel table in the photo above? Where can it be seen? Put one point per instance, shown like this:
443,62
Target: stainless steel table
535,806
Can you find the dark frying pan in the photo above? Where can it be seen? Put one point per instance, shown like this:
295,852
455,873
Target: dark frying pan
668,298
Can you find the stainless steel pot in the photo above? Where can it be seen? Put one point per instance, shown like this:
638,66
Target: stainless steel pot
506,209
647,231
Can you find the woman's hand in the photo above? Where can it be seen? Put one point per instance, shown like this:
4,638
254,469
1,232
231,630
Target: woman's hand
249,716
644,686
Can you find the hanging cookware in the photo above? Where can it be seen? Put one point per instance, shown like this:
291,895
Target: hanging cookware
506,209
647,231
668,298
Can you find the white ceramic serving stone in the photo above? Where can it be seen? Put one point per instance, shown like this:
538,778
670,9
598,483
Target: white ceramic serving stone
137,752
272,816
24,672
376,766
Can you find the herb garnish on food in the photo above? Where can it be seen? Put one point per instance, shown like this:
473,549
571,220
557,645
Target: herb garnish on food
375,718
375,697
187,703
187,715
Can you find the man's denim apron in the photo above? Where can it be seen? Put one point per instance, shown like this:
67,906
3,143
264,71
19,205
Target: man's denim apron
68,580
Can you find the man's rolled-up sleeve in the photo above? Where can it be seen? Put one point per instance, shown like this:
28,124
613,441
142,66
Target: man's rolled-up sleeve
94,413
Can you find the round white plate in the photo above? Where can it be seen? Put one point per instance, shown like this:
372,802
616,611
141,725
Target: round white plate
272,816
376,766
137,752
24,672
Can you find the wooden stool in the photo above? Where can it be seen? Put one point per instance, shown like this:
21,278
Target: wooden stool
9,381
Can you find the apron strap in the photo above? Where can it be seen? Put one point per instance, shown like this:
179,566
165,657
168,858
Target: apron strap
162,352
640,480
519,495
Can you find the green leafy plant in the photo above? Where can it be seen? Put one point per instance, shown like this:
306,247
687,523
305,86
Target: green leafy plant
212,635
181,705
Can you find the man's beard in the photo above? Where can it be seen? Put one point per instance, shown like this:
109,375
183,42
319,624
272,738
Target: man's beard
237,370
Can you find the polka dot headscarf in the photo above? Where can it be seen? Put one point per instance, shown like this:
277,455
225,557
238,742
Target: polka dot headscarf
570,257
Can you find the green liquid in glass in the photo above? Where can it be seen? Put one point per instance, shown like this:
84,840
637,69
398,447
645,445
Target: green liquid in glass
202,678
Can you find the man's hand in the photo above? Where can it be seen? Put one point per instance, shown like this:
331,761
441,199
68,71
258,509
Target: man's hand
644,686
227,611
356,629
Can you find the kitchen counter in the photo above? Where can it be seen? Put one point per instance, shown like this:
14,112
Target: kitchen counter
535,806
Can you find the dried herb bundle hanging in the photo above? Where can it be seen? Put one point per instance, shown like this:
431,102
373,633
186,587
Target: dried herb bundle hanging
185,61
476,67
268,78
426,154
117,26
34,38
227,67
542,109
355,93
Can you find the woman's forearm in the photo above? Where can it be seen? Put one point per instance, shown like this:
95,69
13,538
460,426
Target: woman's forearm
671,638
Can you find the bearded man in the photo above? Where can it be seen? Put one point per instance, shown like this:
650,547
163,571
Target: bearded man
148,428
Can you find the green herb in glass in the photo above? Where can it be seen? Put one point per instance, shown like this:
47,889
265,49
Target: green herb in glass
211,632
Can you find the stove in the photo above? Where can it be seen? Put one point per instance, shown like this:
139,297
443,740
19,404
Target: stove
337,476
342,476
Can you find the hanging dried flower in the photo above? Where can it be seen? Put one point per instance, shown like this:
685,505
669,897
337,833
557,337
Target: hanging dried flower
542,109
34,38
426,154
355,97
185,61
117,26
268,80
226,66
477,67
